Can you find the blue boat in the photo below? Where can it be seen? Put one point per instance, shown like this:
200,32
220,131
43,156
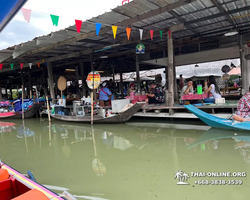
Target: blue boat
217,122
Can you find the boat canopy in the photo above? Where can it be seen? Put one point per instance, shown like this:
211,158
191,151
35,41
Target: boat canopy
9,8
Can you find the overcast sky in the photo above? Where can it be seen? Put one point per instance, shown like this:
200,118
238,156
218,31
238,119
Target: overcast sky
18,30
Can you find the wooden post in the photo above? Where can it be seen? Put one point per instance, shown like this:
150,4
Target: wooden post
83,78
170,70
51,83
10,88
48,108
176,99
121,83
22,103
242,65
77,79
92,107
92,69
45,86
30,84
138,75
23,87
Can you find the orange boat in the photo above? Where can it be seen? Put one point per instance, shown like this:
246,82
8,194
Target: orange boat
15,186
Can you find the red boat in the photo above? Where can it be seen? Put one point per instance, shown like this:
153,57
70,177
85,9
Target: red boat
15,186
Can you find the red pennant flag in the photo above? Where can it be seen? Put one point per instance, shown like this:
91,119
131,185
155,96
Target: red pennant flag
169,34
128,32
151,34
38,64
21,65
1,66
78,25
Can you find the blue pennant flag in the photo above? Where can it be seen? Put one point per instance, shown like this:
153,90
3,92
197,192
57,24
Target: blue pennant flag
98,28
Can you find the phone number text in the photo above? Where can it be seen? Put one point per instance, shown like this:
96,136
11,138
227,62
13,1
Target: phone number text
219,182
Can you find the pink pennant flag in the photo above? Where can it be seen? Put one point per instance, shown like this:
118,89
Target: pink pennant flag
78,25
26,14
151,34
21,65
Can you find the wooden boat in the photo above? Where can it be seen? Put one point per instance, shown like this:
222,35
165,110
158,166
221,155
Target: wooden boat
218,134
30,112
15,186
216,122
97,119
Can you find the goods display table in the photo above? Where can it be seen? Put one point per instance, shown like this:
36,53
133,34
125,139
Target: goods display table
194,96
137,98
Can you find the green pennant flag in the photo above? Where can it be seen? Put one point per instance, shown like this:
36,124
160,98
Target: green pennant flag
12,66
161,34
54,19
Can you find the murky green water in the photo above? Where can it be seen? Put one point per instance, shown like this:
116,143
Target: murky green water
132,161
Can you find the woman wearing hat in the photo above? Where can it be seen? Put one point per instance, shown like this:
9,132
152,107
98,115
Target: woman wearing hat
104,95
156,96
131,89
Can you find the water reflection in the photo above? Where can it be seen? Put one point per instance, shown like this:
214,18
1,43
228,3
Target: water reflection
131,161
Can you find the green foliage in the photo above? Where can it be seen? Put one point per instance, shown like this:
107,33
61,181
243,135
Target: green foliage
230,81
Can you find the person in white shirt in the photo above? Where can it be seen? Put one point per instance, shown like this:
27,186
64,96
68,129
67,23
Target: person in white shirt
212,87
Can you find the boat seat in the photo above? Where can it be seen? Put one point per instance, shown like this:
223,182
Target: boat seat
33,194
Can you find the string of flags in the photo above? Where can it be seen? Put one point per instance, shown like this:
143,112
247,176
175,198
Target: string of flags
78,24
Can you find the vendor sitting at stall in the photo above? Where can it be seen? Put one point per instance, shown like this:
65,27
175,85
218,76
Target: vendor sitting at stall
156,95
131,89
243,108
187,89
105,95
212,88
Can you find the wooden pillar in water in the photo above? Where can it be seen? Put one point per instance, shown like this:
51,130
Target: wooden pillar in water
23,85
170,70
83,78
92,69
77,79
243,65
11,89
45,86
51,83
29,92
138,74
121,83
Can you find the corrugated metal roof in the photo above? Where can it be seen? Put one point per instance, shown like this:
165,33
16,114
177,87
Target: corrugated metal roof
200,16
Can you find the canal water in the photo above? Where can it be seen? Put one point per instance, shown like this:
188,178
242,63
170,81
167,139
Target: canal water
130,161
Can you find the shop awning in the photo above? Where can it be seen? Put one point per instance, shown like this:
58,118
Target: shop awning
8,9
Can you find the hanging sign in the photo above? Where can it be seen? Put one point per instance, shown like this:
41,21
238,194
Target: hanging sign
226,77
140,49
93,80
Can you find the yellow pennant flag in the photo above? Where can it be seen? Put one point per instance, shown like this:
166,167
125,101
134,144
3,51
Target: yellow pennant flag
114,31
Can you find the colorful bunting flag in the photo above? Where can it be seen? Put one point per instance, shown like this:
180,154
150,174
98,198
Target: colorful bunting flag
128,30
78,25
12,66
21,65
30,64
1,66
98,28
169,34
38,64
54,19
161,33
114,28
151,34
141,33
26,14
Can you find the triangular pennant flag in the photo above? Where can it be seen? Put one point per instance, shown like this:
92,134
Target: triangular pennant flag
161,33
46,64
54,19
1,66
128,32
151,34
114,28
12,66
78,25
98,28
43,61
21,65
30,64
26,14
141,32
169,34
38,64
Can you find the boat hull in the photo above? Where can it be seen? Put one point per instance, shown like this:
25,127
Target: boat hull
18,115
216,122
117,119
